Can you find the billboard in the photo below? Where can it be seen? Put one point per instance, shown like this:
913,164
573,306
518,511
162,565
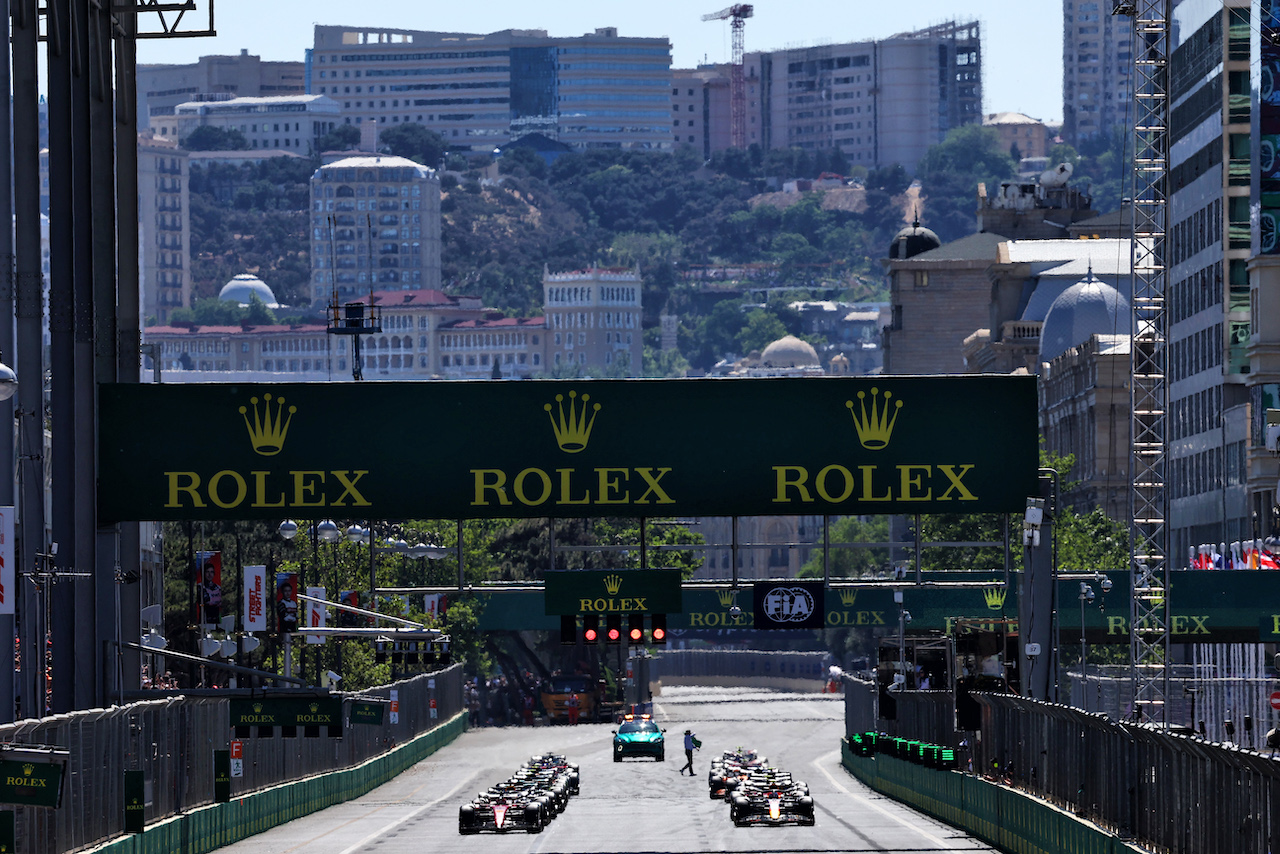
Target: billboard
581,448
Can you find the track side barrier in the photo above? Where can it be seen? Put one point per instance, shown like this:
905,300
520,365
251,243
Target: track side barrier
211,827
998,815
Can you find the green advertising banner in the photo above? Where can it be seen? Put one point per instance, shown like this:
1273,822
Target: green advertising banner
287,711
618,591
1206,606
221,776
33,784
367,713
135,802
582,448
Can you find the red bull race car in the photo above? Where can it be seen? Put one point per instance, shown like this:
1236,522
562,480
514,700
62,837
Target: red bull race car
770,796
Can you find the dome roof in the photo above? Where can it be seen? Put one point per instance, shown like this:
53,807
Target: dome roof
912,240
789,352
1087,308
240,288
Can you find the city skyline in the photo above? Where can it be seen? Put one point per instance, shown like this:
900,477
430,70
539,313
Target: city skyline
1009,30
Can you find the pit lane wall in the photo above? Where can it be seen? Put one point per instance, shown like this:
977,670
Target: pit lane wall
998,815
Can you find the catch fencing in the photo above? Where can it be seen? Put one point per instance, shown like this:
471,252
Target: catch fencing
172,742
1161,789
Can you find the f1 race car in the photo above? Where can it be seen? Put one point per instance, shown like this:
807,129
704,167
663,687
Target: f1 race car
729,768
527,800
770,796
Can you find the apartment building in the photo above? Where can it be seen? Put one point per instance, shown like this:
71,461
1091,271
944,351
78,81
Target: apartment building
880,102
593,318
375,225
287,122
164,227
1097,59
480,91
161,88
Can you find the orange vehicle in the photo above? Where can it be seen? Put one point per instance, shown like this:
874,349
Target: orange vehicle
556,691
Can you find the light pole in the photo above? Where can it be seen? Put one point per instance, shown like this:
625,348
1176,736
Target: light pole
1086,598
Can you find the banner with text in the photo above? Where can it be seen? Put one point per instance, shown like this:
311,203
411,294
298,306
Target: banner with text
582,448
255,599
614,591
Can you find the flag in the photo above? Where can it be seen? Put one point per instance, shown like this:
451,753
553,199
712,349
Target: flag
254,597
315,613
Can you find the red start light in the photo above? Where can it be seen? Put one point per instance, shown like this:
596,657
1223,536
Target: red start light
636,634
614,634
659,634
590,634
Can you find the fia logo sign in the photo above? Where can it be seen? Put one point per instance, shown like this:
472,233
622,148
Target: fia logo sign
789,605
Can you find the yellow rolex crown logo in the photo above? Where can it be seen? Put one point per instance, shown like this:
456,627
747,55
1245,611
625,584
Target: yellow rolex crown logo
573,431
268,429
995,597
613,583
726,597
874,428
848,597
257,708
28,769
314,707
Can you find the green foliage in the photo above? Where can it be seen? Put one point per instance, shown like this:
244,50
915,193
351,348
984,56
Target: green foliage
257,312
760,330
664,363
950,173
522,162
853,563
1105,167
462,622
210,138
341,138
1091,542
413,141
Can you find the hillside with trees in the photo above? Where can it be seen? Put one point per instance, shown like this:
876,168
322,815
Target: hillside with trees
701,233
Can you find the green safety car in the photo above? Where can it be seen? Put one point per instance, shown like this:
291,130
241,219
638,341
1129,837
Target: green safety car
639,736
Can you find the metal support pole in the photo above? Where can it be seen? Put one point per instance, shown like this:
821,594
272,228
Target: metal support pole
29,362
7,621
459,547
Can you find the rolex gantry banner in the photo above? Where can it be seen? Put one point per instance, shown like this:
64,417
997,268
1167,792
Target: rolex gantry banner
503,449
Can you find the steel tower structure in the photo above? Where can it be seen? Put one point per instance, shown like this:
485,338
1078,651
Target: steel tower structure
1149,388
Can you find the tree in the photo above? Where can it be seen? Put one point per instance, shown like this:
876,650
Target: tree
211,138
258,313
342,138
415,142
950,173
524,162
858,562
762,328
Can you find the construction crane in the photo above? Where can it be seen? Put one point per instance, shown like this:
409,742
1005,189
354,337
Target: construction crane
1149,388
737,16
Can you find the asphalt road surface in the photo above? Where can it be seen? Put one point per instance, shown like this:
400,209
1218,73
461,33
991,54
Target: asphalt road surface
637,805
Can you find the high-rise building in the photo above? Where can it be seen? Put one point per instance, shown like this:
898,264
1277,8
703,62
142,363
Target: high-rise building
880,102
375,226
480,91
1097,56
164,227
1207,288
162,87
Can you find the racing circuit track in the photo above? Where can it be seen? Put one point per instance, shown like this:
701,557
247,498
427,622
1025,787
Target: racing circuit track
634,806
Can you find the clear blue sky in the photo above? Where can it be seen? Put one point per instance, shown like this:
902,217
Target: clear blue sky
1022,40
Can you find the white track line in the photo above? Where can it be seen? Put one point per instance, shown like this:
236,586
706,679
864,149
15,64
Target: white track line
817,763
